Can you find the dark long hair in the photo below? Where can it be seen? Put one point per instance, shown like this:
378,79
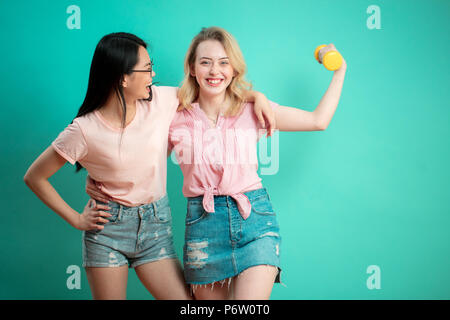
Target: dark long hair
115,55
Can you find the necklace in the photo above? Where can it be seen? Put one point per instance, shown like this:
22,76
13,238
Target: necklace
213,120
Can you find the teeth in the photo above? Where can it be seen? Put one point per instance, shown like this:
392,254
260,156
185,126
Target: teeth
214,81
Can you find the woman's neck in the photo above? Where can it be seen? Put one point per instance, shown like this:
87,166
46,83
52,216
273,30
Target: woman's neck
213,105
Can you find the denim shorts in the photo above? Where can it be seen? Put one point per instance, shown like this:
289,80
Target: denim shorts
221,244
133,236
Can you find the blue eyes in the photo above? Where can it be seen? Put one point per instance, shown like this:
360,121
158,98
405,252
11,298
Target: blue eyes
207,62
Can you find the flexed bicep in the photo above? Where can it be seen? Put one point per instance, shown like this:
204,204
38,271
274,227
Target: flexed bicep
294,119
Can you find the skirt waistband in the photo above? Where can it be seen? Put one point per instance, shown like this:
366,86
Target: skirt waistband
222,199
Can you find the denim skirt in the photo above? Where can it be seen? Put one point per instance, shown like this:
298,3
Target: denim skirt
221,244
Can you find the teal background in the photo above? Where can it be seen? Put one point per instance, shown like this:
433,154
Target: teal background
372,189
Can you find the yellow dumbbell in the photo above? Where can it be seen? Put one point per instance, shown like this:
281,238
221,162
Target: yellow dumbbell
332,60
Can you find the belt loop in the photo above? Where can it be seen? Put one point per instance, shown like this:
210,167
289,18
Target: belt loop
120,213
154,210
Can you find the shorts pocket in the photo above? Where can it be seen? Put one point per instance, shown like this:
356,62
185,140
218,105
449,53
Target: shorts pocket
163,215
262,206
115,213
195,213
114,219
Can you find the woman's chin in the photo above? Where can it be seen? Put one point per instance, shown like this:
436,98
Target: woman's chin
213,91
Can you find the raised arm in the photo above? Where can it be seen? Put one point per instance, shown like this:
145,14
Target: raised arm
293,119
36,178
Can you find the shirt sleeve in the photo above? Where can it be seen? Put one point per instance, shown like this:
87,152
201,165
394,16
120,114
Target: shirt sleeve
169,97
71,144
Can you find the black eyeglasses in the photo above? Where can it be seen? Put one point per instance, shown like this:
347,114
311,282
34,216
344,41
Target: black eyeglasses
151,68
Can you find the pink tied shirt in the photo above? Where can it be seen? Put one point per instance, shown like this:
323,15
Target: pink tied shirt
219,160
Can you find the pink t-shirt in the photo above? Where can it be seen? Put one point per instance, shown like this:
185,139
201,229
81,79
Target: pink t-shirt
131,170
219,160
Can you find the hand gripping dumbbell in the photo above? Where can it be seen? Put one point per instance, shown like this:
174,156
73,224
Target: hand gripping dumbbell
332,60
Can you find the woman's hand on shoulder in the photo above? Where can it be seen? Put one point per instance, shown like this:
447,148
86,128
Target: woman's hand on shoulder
264,112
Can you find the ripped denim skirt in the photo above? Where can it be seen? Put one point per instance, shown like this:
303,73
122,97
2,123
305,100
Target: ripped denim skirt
221,244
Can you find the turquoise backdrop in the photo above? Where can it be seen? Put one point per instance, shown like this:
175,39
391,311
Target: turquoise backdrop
370,190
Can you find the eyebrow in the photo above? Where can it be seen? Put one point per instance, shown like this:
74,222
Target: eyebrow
211,59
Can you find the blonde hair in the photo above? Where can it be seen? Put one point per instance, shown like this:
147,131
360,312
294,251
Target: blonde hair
189,90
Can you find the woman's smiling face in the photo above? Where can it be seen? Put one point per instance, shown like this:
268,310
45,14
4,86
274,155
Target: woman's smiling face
212,68
138,82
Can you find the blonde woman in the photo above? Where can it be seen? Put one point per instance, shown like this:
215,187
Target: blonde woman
232,235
